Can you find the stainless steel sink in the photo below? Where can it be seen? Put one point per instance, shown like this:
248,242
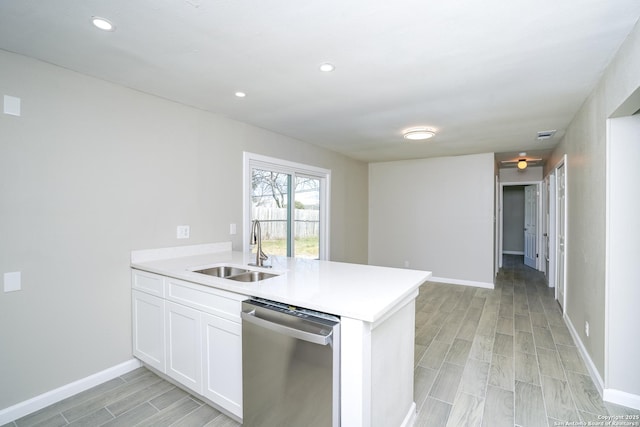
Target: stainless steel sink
251,276
235,273
223,271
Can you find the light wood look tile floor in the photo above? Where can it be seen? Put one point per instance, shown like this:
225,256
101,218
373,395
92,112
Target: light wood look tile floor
501,357
488,358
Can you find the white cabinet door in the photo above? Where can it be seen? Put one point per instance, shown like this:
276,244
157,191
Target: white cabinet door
148,329
184,355
222,362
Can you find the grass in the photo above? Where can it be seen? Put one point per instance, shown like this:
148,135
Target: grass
306,247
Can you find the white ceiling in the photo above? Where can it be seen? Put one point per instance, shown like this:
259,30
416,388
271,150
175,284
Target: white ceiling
488,75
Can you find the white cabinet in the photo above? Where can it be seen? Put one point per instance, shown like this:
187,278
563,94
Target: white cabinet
147,314
192,333
222,362
184,349
148,329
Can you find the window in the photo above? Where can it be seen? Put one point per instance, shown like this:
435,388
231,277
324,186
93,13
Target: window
295,229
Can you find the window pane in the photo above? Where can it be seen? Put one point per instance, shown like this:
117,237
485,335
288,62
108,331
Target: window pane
307,218
288,200
269,202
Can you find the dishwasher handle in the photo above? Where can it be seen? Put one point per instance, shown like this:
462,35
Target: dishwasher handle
287,330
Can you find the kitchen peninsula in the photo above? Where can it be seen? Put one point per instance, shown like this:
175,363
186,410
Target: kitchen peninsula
376,306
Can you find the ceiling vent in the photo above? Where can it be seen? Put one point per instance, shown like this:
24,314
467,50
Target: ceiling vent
545,134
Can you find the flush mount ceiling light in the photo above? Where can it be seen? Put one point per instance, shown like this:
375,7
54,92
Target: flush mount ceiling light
327,67
240,94
102,23
522,162
418,133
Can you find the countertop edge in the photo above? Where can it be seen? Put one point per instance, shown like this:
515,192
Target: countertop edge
175,268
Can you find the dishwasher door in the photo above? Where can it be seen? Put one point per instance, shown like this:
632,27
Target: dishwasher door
290,366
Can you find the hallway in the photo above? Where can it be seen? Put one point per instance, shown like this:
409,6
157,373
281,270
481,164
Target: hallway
501,357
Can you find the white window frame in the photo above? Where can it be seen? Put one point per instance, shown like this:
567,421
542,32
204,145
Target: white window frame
258,161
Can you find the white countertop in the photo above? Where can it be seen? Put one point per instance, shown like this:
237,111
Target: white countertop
357,291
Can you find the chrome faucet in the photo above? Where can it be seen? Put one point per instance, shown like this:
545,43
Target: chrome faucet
255,238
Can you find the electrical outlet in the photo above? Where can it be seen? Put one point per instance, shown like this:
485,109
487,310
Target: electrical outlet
406,264
183,232
586,328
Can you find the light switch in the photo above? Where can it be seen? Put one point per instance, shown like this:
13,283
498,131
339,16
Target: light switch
232,229
12,281
11,105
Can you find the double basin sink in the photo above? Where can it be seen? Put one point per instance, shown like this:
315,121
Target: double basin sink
236,273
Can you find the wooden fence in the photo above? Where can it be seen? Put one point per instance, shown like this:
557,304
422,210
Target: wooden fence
273,222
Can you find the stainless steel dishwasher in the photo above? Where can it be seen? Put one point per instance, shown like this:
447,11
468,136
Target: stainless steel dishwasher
290,366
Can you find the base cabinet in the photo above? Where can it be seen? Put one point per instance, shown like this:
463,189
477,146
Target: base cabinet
191,333
184,348
148,329
222,363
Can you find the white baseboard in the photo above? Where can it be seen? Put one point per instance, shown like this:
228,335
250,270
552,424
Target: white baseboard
621,398
27,407
591,367
410,419
512,253
487,285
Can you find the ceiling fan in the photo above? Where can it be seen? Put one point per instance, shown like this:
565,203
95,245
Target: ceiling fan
522,161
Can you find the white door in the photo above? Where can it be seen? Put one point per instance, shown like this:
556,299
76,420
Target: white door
530,225
498,229
552,254
545,225
561,230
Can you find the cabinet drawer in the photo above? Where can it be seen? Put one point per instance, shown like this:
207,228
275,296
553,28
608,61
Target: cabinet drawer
148,282
210,300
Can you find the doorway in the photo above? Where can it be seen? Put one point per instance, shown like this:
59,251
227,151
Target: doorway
291,200
555,229
622,293
519,215
513,220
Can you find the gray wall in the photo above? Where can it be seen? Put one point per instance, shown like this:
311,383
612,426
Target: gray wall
437,214
585,145
623,292
529,175
92,170
513,219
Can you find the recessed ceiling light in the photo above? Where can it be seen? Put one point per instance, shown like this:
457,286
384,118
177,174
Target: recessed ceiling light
418,133
326,67
103,24
241,94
